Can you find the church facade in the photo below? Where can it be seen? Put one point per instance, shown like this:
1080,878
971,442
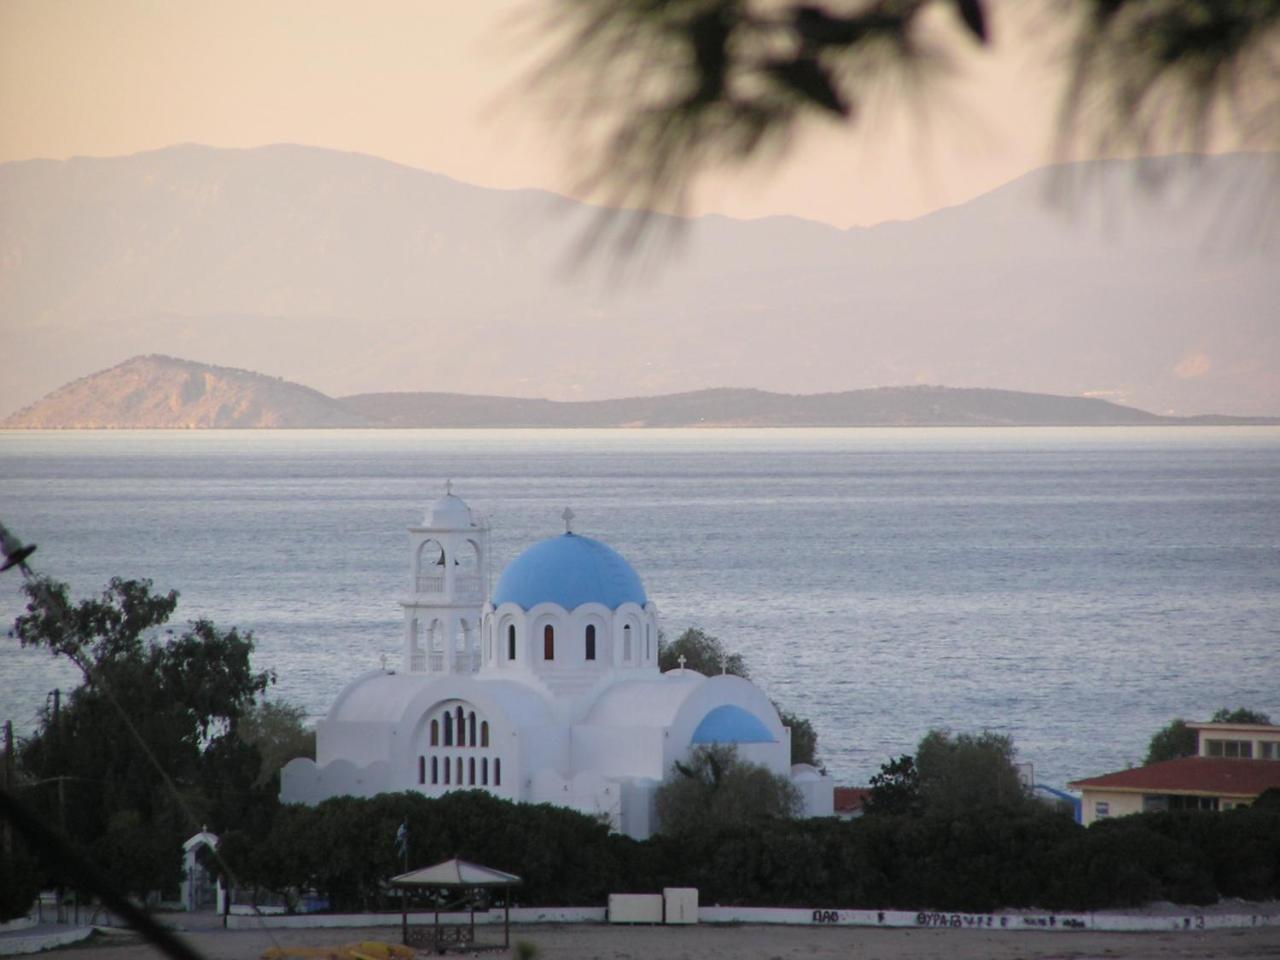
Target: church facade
546,691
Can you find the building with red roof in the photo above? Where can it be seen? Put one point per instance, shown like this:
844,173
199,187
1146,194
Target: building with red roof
1236,762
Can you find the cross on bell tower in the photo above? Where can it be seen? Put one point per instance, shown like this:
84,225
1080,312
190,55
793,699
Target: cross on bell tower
567,517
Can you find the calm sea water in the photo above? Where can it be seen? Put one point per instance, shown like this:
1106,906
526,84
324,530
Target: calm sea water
1075,588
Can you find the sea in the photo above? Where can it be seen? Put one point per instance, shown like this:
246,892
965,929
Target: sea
1074,588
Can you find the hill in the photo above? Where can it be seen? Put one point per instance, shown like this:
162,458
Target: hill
356,275
156,392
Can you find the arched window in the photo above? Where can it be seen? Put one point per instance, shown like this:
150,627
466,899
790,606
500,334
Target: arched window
448,729
435,733
471,728
497,771
511,641
647,647
548,642
484,733
459,771
471,771
435,769
462,729
446,770
591,641
626,643
422,770
484,771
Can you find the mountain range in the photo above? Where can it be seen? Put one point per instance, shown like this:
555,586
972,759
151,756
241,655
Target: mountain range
358,275
159,392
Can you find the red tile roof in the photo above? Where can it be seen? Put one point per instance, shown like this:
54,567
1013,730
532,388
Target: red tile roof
851,799
1199,775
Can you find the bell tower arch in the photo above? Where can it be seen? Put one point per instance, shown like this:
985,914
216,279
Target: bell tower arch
448,586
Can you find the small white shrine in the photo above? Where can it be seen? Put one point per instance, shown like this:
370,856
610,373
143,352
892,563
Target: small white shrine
546,691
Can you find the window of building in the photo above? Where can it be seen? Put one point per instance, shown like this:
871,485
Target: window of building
484,733
435,733
1238,749
1267,750
648,648
497,771
435,769
448,729
447,767
511,642
422,770
1102,808
484,771
471,729
462,728
471,771
626,643
548,642
591,641
459,771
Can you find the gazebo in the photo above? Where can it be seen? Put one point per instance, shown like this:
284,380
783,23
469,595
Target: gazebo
455,875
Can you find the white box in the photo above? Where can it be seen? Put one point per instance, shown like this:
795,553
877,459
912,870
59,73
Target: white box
635,908
680,904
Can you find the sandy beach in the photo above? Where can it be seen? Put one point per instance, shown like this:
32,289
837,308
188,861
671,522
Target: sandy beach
705,942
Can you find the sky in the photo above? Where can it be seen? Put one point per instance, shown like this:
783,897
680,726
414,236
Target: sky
444,87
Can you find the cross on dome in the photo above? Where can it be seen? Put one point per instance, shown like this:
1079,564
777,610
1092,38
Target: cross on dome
567,517
681,660
448,488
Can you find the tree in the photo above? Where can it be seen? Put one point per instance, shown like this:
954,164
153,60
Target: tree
895,790
1239,715
716,789
672,89
1172,741
278,732
804,739
965,771
145,750
701,652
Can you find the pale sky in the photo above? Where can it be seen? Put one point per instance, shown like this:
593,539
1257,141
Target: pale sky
440,86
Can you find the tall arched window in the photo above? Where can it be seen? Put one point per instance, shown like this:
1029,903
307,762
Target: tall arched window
484,771
484,733
626,643
647,647
435,769
511,642
448,729
462,729
459,771
471,729
497,771
591,641
422,770
548,642
446,770
435,733
471,771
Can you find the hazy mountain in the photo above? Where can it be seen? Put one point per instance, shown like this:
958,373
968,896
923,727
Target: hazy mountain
356,275
158,392
163,392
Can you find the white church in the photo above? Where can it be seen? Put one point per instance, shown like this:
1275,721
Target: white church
547,691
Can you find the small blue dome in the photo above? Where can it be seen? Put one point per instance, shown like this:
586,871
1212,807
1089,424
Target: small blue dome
730,724
569,570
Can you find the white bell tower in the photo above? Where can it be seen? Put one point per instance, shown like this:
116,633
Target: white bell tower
448,570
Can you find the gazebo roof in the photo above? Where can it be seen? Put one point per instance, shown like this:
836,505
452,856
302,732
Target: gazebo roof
456,873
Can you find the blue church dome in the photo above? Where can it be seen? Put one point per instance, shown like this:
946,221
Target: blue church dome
569,570
730,724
